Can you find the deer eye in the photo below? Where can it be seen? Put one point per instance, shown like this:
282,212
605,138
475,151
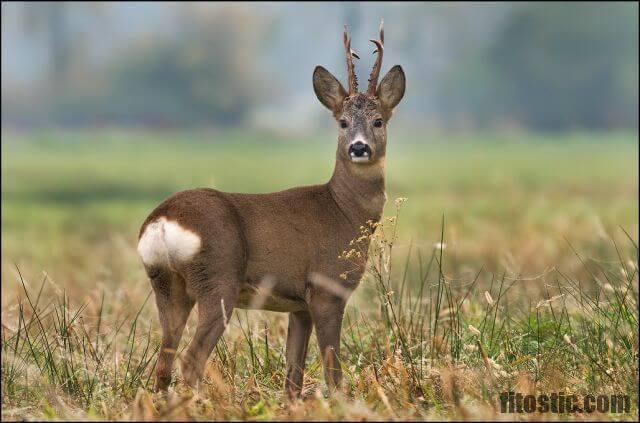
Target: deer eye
377,123
343,123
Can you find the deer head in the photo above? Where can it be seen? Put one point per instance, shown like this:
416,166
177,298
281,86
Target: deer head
362,117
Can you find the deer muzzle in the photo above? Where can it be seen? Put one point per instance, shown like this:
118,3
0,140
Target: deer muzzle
359,152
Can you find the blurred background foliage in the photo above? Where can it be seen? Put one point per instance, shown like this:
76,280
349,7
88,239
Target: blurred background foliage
530,65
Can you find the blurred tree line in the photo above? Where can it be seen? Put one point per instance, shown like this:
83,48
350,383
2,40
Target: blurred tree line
544,66
554,66
204,74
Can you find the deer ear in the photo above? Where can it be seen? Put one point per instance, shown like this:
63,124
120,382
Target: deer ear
328,89
391,88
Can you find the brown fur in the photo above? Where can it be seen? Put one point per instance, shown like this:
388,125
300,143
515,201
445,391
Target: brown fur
282,247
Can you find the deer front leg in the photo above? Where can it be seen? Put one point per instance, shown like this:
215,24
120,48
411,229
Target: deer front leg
300,326
327,316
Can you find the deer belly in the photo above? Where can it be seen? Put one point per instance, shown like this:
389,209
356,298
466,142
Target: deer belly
263,297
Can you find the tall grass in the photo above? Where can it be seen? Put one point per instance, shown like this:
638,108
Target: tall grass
418,342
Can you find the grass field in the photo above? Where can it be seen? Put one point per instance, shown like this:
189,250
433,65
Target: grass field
536,290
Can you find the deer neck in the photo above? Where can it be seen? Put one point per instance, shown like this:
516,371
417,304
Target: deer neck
359,189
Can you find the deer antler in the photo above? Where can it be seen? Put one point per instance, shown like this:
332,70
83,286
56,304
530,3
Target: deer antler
375,72
353,79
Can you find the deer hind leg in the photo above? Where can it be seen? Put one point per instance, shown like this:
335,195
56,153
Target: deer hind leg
297,342
174,306
216,294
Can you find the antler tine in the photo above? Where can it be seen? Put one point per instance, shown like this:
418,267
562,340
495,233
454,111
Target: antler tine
375,72
350,54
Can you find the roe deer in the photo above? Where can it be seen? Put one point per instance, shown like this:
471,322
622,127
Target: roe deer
276,251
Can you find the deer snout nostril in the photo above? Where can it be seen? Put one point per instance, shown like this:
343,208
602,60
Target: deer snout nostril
359,149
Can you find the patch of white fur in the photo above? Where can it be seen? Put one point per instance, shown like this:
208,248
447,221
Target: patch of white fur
165,241
151,246
362,159
182,244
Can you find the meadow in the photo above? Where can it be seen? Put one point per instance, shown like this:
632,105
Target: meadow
511,266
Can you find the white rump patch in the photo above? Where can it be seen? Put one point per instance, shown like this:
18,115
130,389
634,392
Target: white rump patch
151,247
165,241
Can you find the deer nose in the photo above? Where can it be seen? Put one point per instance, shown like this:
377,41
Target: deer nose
359,149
